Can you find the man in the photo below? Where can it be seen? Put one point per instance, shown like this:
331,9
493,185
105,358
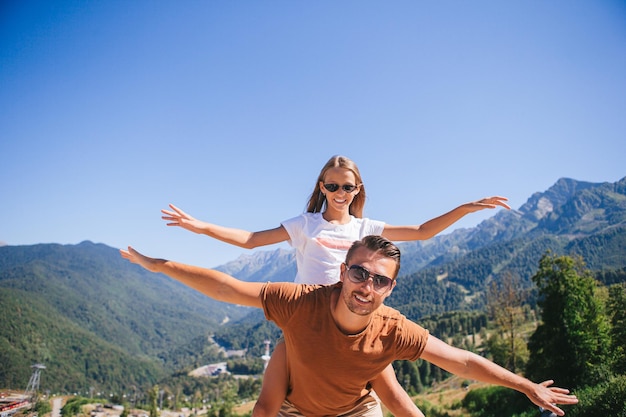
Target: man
341,336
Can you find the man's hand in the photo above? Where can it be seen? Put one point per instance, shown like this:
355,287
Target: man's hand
210,282
137,258
548,397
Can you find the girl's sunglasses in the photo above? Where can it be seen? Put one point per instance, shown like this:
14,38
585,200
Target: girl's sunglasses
358,274
348,188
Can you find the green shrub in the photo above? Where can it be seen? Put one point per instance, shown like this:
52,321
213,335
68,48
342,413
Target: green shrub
73,406
496,402
42,407
605,399
431,410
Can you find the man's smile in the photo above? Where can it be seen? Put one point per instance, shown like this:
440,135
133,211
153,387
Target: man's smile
362,299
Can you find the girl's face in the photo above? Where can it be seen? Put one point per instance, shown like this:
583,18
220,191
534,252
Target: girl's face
345,187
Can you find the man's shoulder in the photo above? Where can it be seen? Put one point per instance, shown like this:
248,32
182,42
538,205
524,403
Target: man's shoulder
385,311
283,301
293,289
392,319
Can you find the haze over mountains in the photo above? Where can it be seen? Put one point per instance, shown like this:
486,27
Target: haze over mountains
94,318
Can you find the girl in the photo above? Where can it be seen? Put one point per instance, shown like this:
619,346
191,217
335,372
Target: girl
321,237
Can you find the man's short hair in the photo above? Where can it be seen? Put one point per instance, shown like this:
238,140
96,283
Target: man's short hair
378,244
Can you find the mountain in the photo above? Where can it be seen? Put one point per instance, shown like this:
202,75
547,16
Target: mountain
83,307
277,266
33,332
96,320
570,218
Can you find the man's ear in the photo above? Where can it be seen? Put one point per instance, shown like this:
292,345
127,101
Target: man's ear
343,268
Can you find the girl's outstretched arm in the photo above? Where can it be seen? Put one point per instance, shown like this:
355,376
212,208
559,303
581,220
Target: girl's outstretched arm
438,224
237,237
212,283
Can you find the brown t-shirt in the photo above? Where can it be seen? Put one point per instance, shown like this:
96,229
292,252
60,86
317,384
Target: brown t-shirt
329,370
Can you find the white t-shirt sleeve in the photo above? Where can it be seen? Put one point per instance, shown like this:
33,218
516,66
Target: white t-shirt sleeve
371,227
295,230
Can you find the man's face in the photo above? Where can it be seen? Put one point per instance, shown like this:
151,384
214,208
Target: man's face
360,297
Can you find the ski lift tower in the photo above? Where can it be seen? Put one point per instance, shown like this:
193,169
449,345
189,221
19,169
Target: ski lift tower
266,356
33,383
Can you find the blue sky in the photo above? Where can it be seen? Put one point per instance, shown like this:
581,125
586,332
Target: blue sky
111,110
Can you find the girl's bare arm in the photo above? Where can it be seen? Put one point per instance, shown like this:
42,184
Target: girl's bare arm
438,224
238,237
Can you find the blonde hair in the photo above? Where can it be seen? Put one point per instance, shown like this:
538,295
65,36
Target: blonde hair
317,201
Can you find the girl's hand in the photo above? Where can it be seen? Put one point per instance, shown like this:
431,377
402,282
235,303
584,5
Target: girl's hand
177,217
487,203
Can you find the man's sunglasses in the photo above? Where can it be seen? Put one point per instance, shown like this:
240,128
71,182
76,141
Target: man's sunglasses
348,188
358,274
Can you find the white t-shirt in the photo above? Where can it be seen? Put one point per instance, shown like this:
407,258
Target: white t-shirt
321,246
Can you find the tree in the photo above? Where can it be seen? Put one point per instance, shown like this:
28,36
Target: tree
504,302
408,375
572,343
153,396
616,307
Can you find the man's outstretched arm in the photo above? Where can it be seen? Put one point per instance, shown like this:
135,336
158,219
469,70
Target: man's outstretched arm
212,283
469,365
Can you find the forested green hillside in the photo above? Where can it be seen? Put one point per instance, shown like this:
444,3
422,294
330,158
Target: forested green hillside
75,359
91,317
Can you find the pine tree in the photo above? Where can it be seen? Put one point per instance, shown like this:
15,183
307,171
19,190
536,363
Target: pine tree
617,312
572,343
153,395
